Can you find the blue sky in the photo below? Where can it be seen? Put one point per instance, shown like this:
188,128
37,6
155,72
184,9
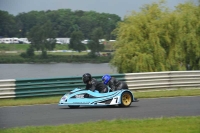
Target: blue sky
119,7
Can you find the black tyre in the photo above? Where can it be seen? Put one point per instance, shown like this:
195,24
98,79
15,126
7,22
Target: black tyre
73,106
126,99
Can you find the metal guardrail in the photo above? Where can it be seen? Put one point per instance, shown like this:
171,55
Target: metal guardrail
163,80
136,81
7,88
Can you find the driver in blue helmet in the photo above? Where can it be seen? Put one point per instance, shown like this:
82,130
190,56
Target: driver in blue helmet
92,84
113,83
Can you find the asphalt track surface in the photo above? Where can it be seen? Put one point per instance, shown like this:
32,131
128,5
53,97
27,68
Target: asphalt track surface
52,114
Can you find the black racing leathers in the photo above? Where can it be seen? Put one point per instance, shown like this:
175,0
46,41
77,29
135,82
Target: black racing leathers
96,85
115,84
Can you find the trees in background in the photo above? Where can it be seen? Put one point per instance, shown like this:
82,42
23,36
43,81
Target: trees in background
37,26
64,21
7,24
76,41
42,37
157,39
94,44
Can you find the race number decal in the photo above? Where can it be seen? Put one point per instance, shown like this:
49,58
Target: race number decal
115,100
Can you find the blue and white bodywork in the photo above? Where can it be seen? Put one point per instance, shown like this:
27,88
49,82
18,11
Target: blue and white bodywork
81,97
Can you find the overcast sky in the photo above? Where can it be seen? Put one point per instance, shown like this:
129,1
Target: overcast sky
119,7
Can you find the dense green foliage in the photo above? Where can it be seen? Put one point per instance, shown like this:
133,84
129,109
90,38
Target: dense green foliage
42,38
7,24
64,22
157,39
37,26
94,44
75,41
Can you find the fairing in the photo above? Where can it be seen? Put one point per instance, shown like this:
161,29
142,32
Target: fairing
89,98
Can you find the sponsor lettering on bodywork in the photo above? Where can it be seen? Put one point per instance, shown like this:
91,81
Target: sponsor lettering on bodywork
79,96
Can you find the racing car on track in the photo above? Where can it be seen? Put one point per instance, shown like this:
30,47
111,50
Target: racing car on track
81,97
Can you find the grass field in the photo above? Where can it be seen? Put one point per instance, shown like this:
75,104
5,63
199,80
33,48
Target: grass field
23,47
15,53
150,125
17,49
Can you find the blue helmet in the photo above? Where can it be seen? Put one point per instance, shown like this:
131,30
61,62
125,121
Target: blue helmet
106,78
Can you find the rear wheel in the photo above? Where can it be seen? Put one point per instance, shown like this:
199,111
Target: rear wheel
73,106
126,99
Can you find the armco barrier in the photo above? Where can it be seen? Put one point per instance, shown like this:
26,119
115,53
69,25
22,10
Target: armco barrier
136,81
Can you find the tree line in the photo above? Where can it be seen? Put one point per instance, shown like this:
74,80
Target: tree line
39,26
63,21
159,39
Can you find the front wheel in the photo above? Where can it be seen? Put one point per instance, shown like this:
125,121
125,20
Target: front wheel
73,106
126,99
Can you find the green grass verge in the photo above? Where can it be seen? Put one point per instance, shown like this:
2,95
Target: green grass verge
10,53
56,58
55,99
24,47
14,47
158,125
168,93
